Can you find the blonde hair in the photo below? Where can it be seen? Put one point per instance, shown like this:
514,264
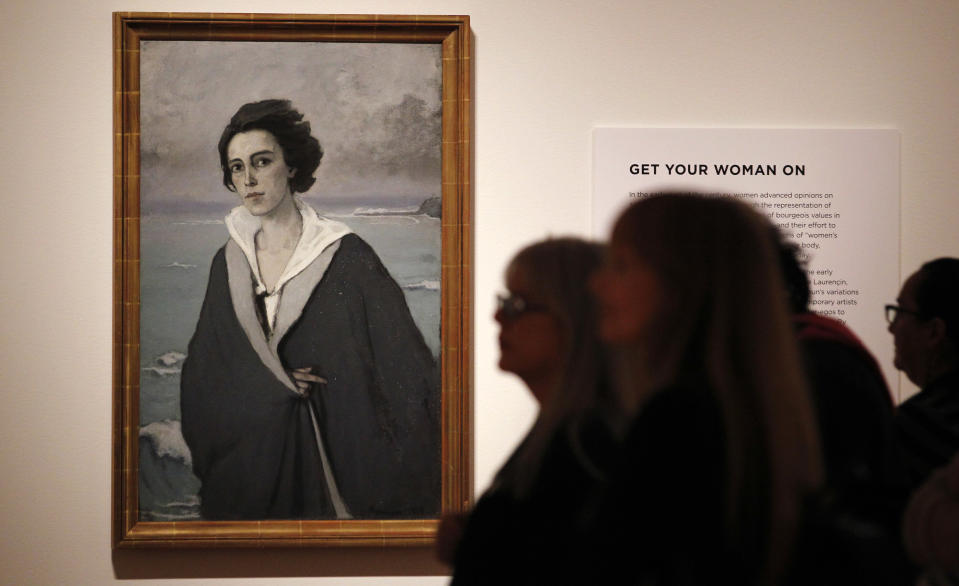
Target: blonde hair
724,321
559,269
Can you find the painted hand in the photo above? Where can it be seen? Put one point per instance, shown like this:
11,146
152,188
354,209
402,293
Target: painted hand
305,379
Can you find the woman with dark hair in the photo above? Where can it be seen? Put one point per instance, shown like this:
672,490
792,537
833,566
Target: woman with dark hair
723,449
925,329
308,391
531,526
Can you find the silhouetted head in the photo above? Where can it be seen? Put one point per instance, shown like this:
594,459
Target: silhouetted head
689,275
925,326
548,314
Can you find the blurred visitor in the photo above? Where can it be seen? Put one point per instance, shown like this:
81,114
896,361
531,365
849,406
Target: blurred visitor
531,525
723,449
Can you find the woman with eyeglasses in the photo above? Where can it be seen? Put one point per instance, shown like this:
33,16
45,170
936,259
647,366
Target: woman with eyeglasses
531,525
925,329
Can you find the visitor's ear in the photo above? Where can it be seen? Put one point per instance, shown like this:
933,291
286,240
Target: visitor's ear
936,332
291,172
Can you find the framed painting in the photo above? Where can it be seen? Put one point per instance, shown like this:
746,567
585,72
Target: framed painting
292,351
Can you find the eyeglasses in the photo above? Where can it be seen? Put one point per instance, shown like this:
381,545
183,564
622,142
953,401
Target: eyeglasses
512,306
894,311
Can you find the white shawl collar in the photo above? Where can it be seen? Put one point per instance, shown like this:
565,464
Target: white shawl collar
318,233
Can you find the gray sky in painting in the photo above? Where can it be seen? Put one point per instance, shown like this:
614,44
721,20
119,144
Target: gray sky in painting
375,107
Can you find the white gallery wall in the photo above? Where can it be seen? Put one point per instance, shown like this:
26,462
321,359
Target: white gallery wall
546,73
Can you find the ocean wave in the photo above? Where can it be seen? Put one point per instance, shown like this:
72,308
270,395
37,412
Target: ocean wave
170,358
166,364
162,370
385,211
178,265
167,440
198,222
389,220
427,285
189,514
191,501
174,510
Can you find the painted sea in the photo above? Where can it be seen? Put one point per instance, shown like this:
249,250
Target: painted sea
176,250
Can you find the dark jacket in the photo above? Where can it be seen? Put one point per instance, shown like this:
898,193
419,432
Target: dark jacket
253,438
927,425
543,536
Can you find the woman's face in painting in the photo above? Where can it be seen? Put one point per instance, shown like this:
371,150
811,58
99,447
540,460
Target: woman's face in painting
531,338
629,293
259,171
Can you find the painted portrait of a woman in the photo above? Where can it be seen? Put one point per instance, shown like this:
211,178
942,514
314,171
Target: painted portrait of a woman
307,391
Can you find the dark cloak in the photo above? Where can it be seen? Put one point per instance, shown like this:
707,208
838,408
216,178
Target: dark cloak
252,436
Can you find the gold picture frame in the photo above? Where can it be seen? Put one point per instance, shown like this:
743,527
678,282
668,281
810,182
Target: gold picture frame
451,38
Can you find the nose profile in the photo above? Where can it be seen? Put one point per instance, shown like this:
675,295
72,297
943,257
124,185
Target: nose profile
250,178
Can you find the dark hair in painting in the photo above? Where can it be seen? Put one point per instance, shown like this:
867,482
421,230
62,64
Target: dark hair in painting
301,150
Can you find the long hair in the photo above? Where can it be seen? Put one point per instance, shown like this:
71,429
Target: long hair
560,268
724,321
